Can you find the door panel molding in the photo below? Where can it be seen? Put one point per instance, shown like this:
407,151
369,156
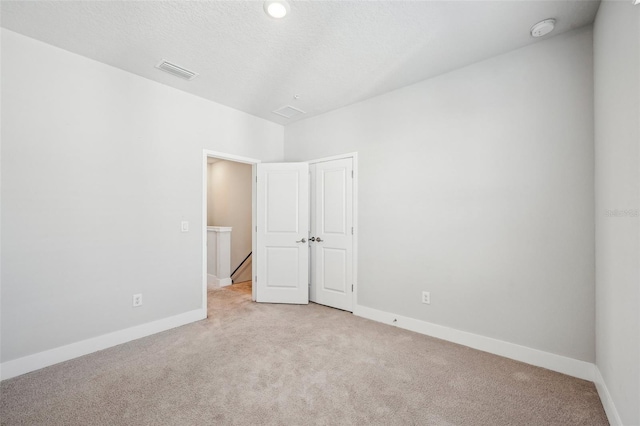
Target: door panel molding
282,209
254,162
332,234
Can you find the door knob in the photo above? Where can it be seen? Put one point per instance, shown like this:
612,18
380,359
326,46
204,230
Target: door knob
318,240
304,240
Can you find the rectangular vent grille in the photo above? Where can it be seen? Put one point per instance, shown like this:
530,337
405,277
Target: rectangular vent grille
175,70
288,111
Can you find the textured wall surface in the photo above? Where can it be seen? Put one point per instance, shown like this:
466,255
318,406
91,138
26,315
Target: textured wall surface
477,186
617,182
99,167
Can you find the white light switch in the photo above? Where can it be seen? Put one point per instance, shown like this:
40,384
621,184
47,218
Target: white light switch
184,226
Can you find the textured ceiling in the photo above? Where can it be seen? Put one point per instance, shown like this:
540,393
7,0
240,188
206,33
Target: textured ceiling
331,53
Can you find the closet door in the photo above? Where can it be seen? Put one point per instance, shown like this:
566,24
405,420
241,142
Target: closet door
331,240
282,217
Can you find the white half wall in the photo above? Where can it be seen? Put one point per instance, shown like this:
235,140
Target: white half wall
617,184
477,185
229,202
99,167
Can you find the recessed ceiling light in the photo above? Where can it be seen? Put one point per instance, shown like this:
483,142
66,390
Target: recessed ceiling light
276,8
543,28
636,2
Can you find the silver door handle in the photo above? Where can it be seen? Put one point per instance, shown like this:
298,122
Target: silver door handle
304,240
318,240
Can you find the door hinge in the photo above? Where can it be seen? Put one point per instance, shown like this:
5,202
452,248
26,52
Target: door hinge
352,230
256,278
256,228
351,288
351,174
256,178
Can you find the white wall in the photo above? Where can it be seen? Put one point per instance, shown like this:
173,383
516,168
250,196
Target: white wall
477,185
99,167
229,204
617,183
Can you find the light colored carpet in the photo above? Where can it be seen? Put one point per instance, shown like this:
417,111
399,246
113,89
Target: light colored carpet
250,364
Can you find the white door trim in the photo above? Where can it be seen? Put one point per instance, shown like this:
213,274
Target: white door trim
354,157
231,157
253,161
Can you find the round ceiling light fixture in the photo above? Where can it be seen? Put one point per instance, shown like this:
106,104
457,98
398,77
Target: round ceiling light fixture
276,8
543,28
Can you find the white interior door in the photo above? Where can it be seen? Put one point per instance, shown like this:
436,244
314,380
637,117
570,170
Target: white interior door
332,233
282,212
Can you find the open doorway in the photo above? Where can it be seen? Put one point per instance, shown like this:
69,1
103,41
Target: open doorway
229,251
281,225
228,216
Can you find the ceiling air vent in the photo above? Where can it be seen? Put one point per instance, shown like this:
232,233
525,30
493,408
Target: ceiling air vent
174,69
288,111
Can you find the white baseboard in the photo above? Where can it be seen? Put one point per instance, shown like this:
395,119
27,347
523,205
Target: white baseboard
562,364
214,282
605,397
569,366
559,363
40,360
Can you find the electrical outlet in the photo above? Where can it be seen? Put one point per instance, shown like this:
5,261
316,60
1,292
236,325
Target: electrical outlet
184,226
137,300
426,297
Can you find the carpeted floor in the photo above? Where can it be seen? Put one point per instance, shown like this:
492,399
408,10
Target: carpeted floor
251,364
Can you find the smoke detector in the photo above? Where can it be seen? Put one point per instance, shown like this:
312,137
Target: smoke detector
543,28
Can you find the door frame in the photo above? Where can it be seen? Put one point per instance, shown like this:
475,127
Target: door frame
206,154
354,157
